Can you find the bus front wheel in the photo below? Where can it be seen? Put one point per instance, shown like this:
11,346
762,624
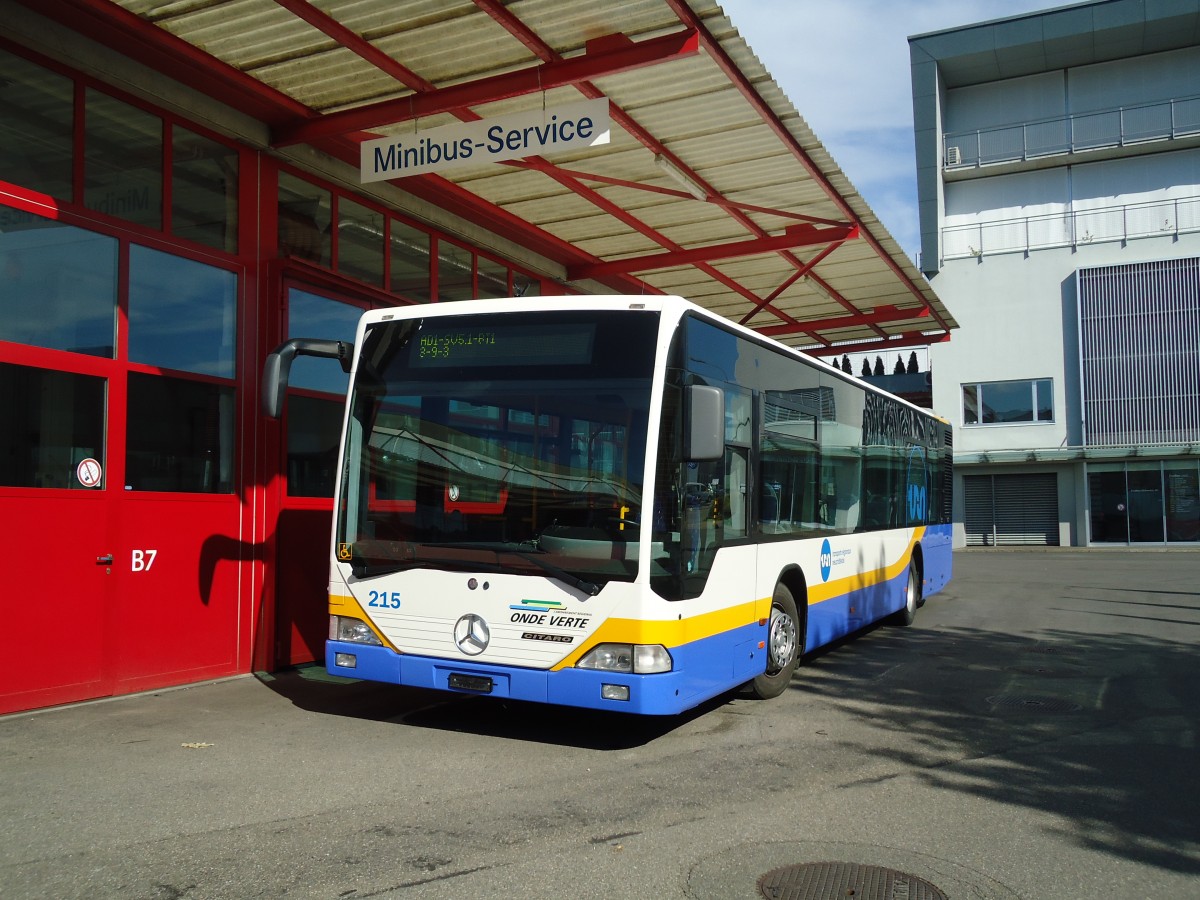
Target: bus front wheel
783,646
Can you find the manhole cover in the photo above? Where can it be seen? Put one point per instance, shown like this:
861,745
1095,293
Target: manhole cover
1033,704
837,881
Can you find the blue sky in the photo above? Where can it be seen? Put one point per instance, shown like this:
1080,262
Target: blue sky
844,65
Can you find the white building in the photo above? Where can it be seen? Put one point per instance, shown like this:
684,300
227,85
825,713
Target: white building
1058,158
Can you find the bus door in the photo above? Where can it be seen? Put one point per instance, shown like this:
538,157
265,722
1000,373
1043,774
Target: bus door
312,427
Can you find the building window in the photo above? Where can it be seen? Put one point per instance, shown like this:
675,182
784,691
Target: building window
181,313
179,436
53,421
1008,402
314,424
410,262
304,211
456,272
360,242
36,121
59,288
123,167
204,190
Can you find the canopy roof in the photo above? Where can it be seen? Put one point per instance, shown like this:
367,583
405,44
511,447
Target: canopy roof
712,186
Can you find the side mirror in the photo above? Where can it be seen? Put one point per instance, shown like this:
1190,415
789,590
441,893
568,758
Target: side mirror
278,367
704,434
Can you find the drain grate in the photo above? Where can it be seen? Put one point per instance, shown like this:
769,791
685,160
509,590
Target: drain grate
1032,704
837,881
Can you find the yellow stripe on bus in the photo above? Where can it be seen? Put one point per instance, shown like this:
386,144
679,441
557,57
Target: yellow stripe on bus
819,593
679,631
671,632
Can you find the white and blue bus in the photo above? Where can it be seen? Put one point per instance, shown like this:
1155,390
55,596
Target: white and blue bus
622,503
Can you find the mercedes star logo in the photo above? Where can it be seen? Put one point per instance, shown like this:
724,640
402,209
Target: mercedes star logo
471,634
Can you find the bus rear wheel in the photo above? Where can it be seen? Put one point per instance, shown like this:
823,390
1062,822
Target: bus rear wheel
912,597
783,646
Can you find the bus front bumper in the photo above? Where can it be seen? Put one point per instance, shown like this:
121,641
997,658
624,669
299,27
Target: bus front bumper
659,694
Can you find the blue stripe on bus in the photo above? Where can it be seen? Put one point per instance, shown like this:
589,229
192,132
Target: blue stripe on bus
702,669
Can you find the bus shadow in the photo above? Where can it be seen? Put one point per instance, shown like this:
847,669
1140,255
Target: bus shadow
310,688
1096,730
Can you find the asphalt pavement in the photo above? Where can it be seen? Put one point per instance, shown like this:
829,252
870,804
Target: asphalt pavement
1033,735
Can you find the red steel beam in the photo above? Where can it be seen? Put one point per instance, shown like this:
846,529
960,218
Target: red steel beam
790,280
535,79
878,316
797,236
503,15
717,53
353,41
541,165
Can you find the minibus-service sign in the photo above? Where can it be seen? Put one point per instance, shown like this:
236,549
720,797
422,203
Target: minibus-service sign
543,131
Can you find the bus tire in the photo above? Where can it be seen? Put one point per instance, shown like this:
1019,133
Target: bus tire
783,646
912,597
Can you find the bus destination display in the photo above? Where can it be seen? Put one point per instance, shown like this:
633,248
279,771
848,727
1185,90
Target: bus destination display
549,344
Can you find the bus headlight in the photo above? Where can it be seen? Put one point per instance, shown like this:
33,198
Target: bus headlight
640,659
356,631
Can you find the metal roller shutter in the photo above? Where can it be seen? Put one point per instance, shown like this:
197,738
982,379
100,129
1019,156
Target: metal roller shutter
977,490
1011,510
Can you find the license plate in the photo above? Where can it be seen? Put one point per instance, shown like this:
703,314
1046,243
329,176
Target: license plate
478,683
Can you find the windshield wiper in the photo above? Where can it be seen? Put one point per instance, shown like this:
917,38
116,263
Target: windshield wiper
588,587
371,570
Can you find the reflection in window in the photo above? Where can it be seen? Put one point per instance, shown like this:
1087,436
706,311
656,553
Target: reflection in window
1008,402
313,316
314,429
1181,482
59,285
360,242
526,285
304,211
204,190
410,262
179,435
455,281
36,118
123,163
181,313
52,422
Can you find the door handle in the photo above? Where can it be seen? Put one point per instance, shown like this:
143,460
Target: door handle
104,560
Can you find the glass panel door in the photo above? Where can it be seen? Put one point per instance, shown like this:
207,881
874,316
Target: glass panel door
1109,513
1145,503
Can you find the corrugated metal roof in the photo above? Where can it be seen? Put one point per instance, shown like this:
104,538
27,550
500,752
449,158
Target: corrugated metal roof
715,113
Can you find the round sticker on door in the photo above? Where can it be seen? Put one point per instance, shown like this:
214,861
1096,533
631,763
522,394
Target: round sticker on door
88,472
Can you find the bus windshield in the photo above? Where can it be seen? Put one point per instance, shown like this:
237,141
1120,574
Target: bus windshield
510,442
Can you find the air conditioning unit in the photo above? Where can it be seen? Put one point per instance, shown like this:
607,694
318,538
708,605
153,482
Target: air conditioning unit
953,156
